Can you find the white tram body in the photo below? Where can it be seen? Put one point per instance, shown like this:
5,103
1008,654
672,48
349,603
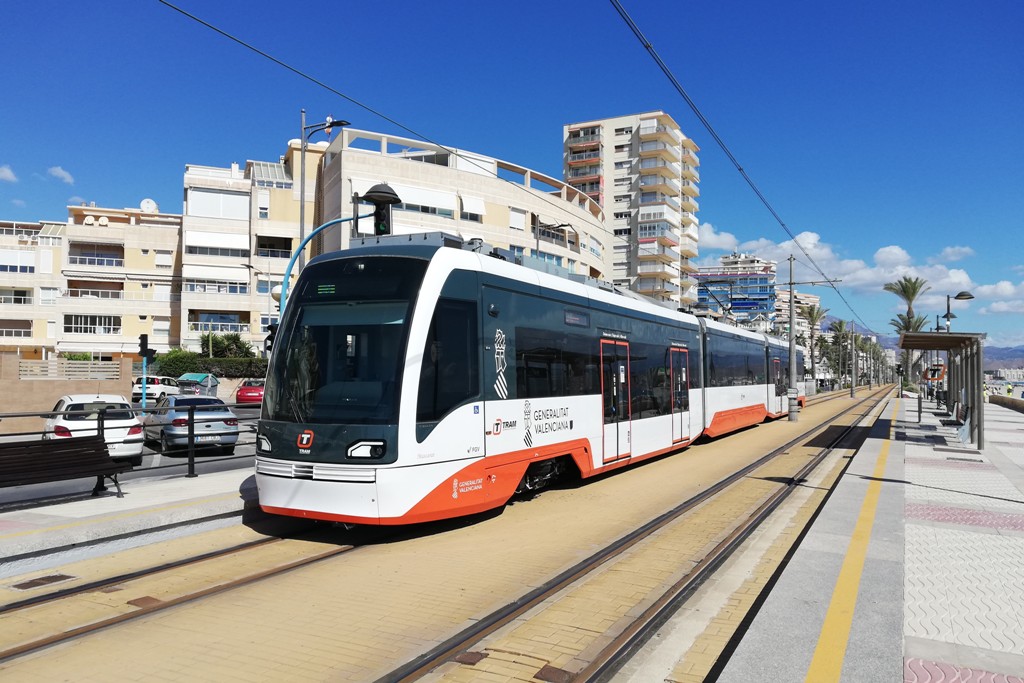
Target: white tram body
411,381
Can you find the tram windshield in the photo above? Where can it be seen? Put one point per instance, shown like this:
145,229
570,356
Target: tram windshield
340,347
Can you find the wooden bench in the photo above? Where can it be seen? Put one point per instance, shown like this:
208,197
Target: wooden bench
37,462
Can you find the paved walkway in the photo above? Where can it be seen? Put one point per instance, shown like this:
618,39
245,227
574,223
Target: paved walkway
914,569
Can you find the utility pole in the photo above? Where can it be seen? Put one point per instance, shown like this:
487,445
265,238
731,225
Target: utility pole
792,390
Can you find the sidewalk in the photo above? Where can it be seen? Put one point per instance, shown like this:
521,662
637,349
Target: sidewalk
148,505
913,570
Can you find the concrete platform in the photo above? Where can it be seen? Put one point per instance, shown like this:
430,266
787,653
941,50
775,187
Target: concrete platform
913,569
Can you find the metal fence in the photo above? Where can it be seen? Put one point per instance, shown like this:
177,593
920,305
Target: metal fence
60,368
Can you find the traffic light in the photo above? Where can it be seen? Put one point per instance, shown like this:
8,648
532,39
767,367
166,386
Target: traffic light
144,345
268,343
899,368
382,219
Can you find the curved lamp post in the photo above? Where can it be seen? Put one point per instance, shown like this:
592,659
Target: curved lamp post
962,296
327,125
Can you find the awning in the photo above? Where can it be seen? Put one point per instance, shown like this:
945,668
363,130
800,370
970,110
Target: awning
226,240
473,205
215,273
410,194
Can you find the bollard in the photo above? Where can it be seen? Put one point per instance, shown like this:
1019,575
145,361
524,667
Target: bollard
920,400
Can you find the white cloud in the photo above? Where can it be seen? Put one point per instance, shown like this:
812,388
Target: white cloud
60,174
999,307
72,201
20,203
1004,289
892,257
7,174
951,255
709,238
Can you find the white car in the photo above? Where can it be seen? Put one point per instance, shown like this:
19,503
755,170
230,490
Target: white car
79,415
156,388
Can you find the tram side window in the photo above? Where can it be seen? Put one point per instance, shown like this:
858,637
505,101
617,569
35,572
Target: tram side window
649,380
554,364
734,361
450,373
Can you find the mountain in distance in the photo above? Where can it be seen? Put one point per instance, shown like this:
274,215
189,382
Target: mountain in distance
995,357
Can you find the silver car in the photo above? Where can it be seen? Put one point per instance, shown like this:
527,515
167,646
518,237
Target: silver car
215,424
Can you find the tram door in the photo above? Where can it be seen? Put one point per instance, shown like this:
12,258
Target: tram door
778,401
615,390
679,369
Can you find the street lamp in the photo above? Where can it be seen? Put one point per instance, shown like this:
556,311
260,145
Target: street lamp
962,296
307,132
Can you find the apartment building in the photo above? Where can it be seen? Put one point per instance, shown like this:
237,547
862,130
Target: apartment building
644,171
466,194
801,300
92,284
743,285
97,281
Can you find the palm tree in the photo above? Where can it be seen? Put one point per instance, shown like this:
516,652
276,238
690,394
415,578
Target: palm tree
814,315
839,333
909,289
906,323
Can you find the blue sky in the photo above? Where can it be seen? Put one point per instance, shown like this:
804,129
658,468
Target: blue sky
888,136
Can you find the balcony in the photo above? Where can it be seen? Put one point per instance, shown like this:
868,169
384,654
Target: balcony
688,203
669,169
688,218
218,328
659,150
654,251
273,253
18,297
688,244
690,172
689,187
664,271
659,183
584,174
659,213
658,233
587,141
690,158
652,286
95,261
583,157
662,133
649,198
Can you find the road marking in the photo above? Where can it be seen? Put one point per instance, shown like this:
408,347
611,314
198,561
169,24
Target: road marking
827,663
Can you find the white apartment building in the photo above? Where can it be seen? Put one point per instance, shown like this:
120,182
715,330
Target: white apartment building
801,300
105,276
463,193
643,171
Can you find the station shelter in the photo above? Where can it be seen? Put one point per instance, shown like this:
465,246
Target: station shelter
963,395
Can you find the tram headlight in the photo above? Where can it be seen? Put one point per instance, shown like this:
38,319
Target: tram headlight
262,444
367,449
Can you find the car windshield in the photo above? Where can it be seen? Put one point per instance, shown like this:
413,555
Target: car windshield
253,383
91,411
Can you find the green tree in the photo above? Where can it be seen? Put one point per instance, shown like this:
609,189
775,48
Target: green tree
908,289
236,347
814,315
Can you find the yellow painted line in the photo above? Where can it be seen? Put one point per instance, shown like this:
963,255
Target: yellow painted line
827,664
124,515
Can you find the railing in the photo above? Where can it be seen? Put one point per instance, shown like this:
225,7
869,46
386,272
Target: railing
218,327
117,294
5,299
580,139
14,332
583,156
96,261
60,368
103,330
274,253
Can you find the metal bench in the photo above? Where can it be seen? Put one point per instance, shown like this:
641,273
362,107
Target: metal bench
37,462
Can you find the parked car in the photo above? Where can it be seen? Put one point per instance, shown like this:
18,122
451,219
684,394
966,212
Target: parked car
79,414
250,391
215,424
156,387
198,384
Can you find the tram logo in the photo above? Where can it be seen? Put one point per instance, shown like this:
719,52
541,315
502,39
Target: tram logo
500,424
500,384
305,441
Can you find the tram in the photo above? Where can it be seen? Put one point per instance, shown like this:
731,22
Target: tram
417,378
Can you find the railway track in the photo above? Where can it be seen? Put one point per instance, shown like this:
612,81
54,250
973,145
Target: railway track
463,650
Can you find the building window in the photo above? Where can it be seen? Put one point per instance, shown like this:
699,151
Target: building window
622,148
432,210
619,215
217,251
92,324
621,165
623,197
467,216
624,131
215,287
623,182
